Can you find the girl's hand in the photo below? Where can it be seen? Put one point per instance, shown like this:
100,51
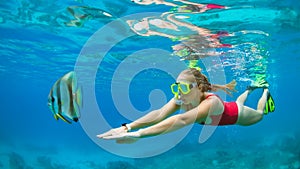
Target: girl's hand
112,132
123,138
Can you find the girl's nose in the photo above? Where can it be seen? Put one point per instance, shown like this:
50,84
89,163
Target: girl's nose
179,96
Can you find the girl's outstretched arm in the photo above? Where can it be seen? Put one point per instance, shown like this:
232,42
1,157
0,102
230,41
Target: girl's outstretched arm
149,119
168,125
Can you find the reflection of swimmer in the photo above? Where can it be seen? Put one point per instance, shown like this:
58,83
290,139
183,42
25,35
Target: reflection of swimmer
196,8
85,13
167,26
188,7
192,94
195,47
150,26
149,2
186,52
196,42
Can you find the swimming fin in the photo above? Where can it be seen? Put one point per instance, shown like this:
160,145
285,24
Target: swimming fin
263,85
270,104
251,88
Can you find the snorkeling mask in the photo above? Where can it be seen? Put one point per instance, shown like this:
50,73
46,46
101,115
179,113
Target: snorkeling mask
184,88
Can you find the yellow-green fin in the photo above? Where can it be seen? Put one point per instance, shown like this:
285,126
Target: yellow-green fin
270,105
64,119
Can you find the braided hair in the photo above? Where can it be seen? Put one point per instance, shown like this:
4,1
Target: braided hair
202,80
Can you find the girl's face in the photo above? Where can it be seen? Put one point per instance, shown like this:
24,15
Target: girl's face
193,97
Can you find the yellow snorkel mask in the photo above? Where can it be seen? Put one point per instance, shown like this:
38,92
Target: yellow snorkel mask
184,88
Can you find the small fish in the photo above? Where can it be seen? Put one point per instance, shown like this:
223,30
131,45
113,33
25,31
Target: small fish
85,13
65,98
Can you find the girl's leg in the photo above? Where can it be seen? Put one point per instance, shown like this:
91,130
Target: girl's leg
263,100
243,97
249,116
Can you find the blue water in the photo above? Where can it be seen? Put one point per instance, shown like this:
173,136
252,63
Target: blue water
37,47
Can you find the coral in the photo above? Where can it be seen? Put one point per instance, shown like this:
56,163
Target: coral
290,143
92,164
49,150
119,165
259,161
16,161
147,163
46,163
224,156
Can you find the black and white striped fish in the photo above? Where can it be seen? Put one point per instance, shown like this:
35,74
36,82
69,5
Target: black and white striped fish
64,99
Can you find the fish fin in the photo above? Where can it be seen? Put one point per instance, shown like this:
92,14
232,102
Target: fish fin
73,80
63,118
56,117
77,92
76,111
77,103
78,97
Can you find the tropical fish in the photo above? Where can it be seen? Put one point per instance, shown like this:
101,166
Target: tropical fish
65,98
85,13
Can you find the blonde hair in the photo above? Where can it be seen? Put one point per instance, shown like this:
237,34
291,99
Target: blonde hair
202,81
